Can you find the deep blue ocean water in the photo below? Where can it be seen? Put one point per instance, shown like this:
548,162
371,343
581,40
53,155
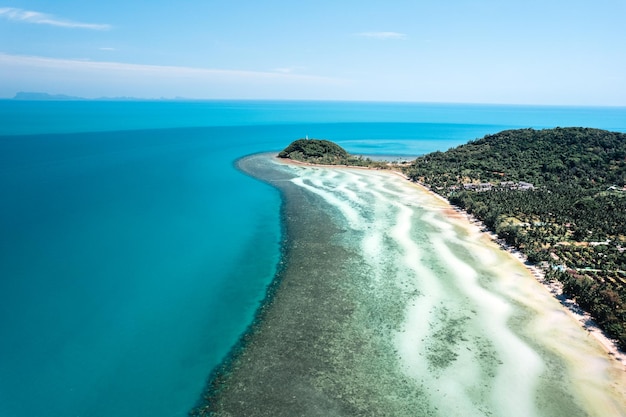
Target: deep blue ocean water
133,253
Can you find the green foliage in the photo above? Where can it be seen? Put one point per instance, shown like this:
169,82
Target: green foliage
315,150
574,219
602,299
319,151
578,156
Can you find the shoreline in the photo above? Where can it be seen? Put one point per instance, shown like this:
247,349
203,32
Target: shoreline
584,319
339,333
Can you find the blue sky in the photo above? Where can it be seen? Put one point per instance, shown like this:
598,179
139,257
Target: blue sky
481,51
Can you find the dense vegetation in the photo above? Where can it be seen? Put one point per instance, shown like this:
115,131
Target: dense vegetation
557,195
319,151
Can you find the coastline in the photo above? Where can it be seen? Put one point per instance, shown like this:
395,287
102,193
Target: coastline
554,288
310,346
584,319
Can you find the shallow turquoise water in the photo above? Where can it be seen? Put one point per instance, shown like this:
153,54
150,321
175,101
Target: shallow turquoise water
133,253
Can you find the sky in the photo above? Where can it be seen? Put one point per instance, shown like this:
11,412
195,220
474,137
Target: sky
550,52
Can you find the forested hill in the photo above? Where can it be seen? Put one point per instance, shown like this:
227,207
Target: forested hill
325,152
315,151
587,158
558,195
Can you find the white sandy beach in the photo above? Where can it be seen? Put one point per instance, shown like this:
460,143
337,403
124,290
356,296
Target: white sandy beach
511,314
476,227
391,303
554,288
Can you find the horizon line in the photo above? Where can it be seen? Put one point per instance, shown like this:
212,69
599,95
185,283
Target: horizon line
66,97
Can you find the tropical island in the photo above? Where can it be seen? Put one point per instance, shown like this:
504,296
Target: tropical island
556,195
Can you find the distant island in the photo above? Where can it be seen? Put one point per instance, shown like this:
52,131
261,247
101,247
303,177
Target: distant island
35,96
39,96
557,195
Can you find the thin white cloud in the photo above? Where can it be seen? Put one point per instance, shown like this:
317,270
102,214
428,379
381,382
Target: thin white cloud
20,15
85,64
382,35
120,69
92,79
288,70
107,48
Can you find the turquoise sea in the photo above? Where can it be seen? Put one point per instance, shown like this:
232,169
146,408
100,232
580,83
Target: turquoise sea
133,253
